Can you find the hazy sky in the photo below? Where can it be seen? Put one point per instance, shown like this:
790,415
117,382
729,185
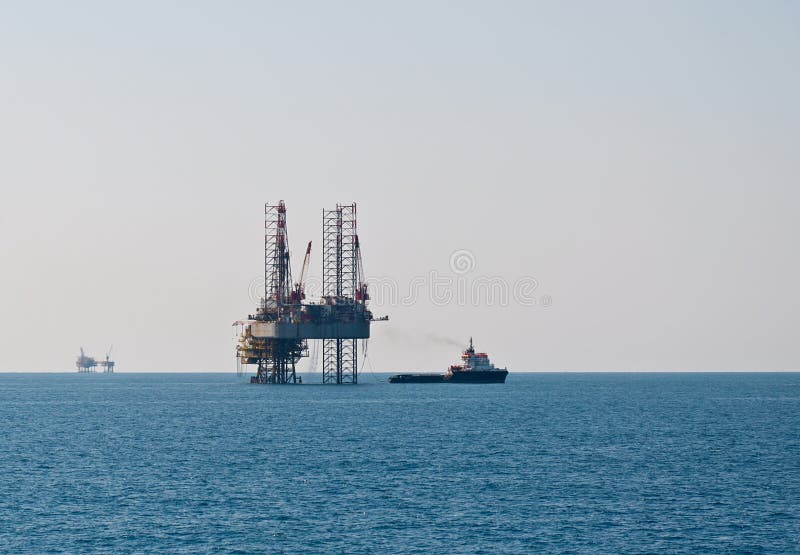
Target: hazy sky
638,159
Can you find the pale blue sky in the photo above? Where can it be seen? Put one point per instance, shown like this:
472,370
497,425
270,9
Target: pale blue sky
639,159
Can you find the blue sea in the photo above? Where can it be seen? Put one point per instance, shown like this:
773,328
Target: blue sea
547,463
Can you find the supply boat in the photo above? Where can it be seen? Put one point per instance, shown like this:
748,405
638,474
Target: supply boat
474,368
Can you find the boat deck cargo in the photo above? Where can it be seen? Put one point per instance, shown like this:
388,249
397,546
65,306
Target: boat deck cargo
417,378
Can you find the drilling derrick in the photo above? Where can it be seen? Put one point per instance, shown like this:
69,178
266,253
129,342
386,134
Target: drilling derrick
276,337
276,357
339,272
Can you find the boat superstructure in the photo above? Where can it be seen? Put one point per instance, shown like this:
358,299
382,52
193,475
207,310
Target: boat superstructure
475,368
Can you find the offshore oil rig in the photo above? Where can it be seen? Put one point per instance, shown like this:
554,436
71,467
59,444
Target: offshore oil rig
276,337
87,364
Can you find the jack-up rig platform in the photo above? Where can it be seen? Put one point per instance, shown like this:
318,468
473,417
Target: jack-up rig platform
275,338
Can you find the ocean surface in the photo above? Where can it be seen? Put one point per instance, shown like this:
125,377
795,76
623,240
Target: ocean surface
578,463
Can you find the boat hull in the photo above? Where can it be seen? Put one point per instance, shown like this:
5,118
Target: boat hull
463,376
477,376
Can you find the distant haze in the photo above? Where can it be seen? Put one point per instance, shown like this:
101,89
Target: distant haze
633,166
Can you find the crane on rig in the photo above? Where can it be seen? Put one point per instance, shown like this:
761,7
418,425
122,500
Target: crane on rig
299,292
361,291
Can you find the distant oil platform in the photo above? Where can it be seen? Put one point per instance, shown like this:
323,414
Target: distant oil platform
87,364
276,337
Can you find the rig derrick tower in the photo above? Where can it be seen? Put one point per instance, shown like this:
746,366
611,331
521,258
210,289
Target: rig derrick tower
339,275
276,357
